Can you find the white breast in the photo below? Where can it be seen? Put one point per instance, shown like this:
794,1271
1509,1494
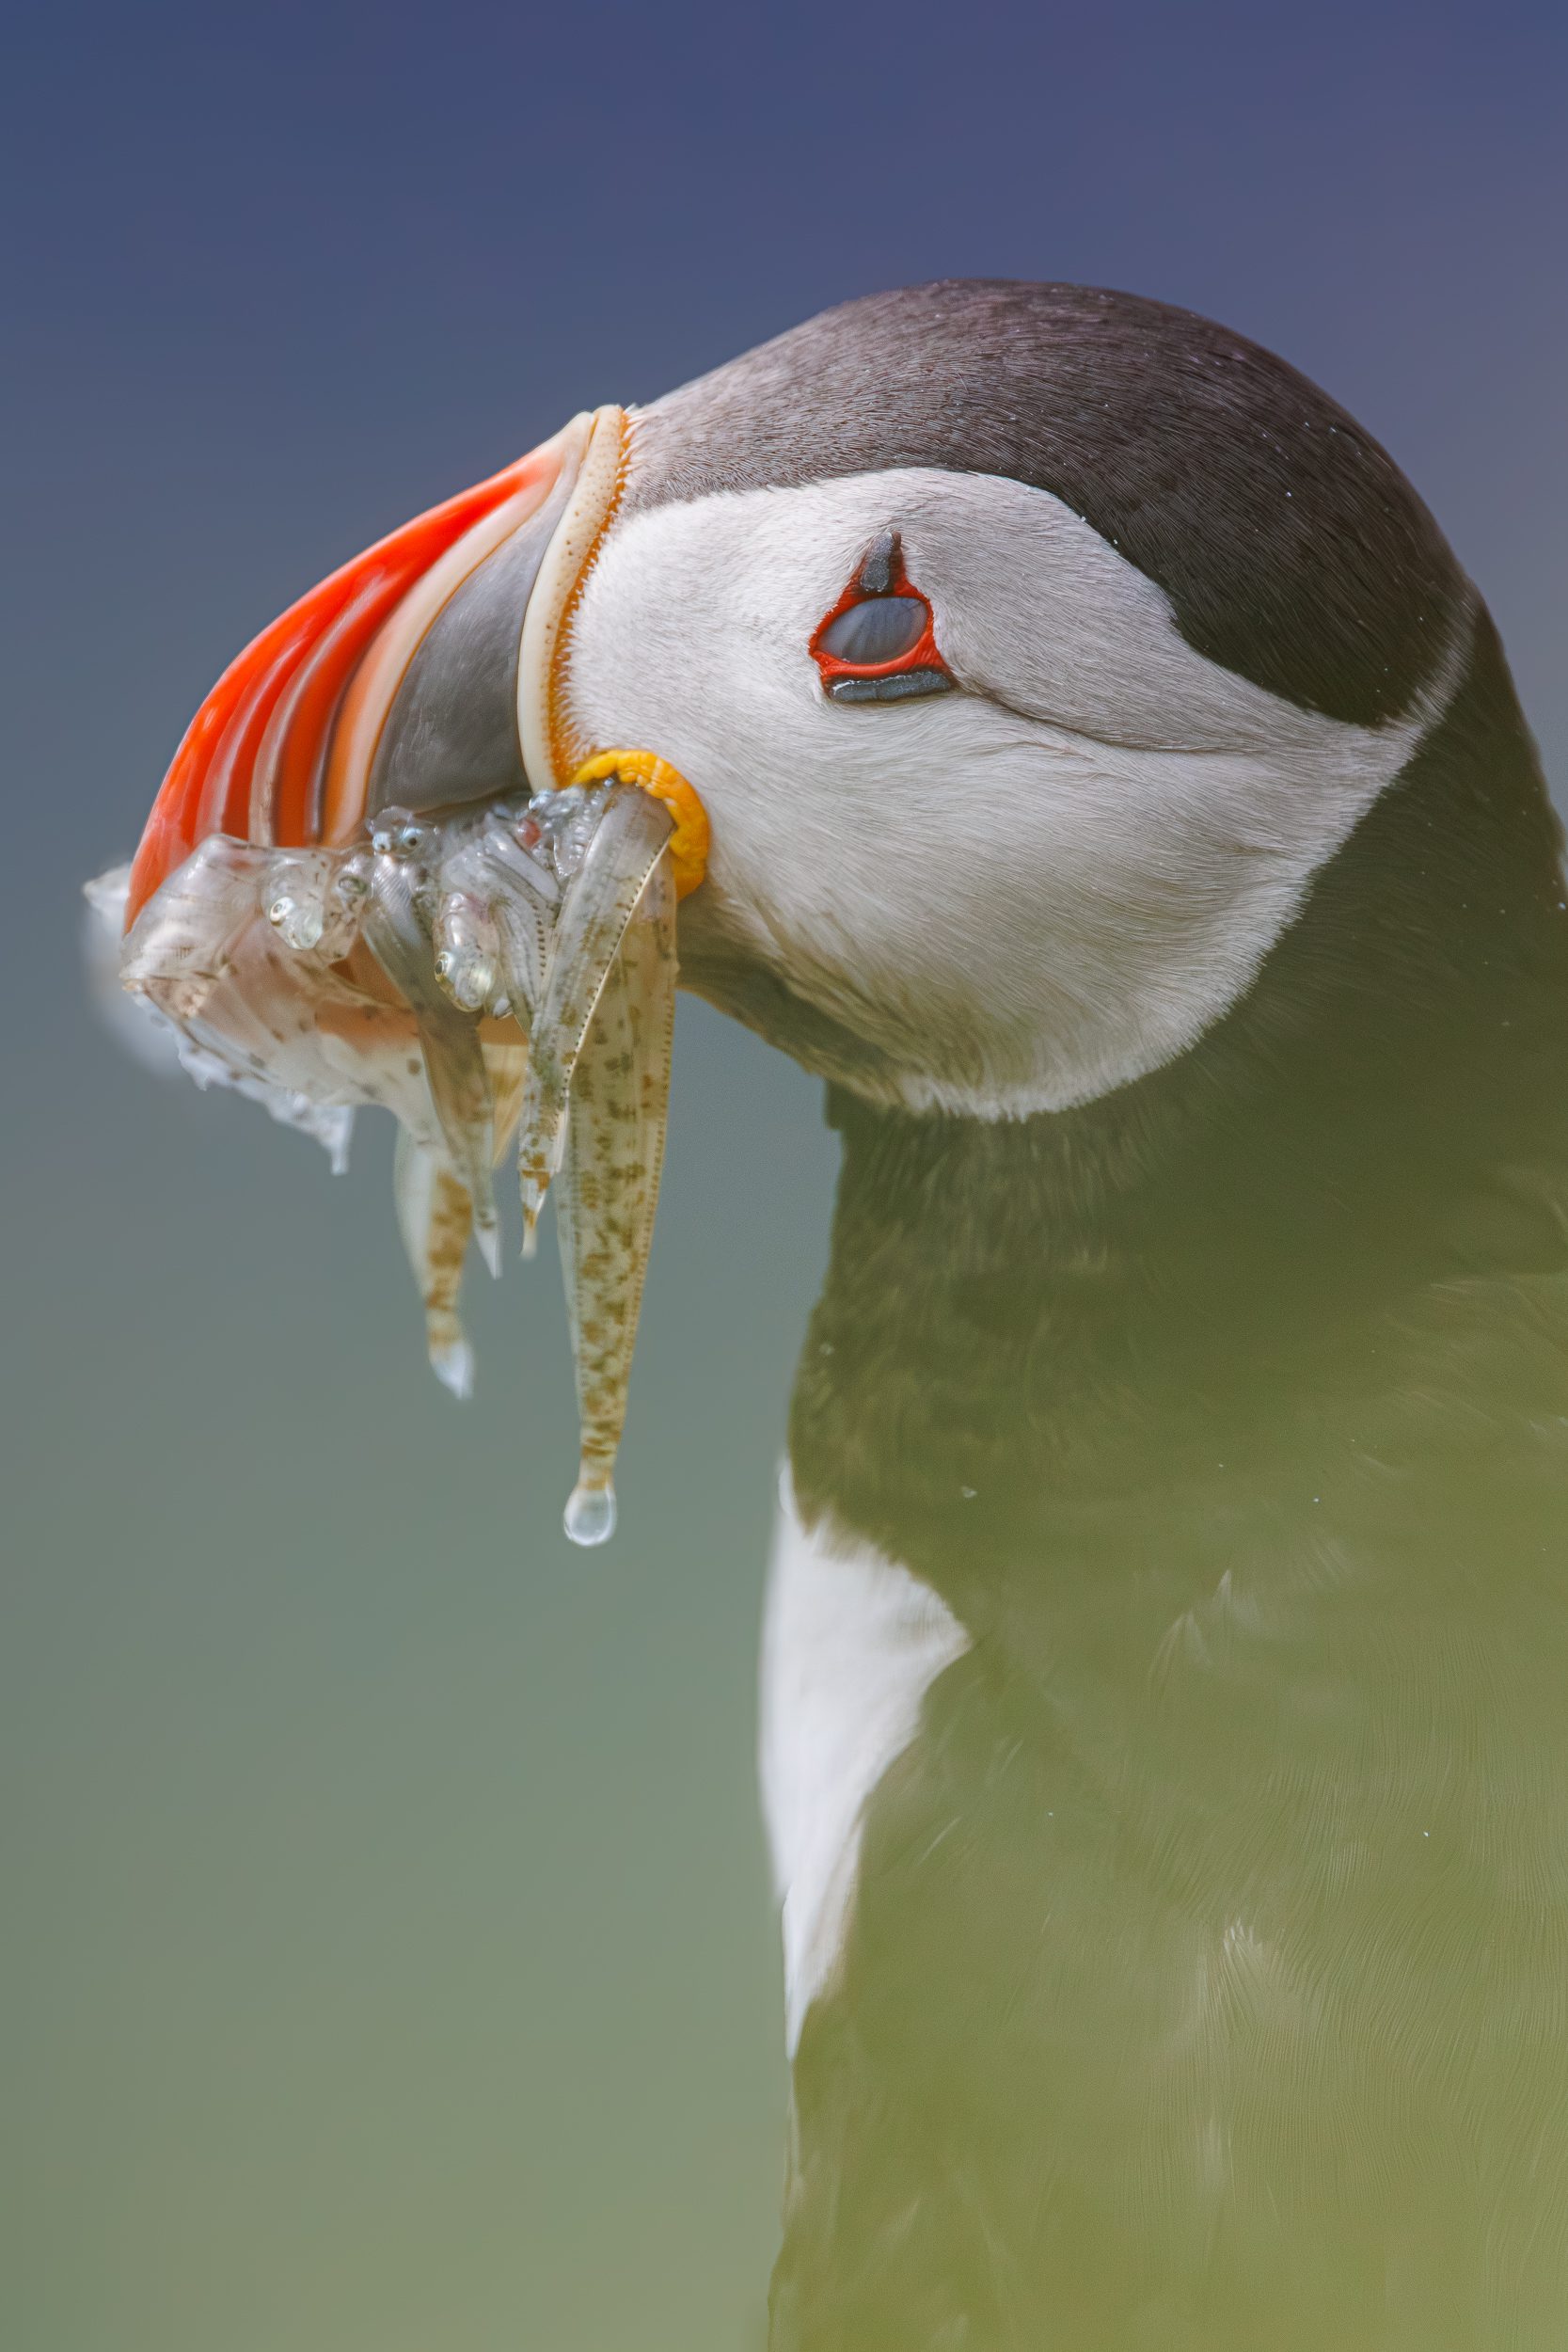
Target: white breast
851,1643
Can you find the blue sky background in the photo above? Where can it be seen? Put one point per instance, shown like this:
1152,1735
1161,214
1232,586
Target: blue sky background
388,1931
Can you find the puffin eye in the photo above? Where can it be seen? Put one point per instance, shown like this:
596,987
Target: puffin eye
881,630
878,643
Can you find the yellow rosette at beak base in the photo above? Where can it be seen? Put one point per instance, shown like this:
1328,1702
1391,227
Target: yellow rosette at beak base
689,842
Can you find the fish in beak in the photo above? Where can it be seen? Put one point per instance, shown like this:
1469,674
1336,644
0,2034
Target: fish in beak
383,868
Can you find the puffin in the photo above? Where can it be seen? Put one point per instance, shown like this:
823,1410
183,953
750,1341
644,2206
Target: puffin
1089,757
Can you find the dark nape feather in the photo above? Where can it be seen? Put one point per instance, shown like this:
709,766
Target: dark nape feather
1290,546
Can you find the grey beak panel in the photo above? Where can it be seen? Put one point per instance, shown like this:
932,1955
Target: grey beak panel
450,736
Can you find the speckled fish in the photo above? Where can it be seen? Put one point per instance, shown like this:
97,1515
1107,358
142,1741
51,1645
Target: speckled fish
384,868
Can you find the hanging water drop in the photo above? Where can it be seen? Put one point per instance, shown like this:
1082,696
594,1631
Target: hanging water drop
590,1515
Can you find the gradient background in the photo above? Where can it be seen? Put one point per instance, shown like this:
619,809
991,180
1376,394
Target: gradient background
389,1946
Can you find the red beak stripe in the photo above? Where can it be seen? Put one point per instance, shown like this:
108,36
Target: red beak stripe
251,761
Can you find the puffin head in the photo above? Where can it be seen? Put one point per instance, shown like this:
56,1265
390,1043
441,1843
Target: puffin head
1026,649
1008,660
1030,648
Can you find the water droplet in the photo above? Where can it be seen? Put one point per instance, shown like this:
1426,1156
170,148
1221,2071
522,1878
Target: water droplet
590,1514
454,1366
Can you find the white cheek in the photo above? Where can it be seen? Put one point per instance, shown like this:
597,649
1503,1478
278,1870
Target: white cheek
1020,906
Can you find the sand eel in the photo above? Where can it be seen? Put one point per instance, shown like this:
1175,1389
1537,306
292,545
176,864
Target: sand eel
1114,789
384,869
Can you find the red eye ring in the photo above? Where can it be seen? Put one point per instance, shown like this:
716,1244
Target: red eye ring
881,581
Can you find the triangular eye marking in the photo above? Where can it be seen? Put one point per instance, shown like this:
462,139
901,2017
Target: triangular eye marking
878,643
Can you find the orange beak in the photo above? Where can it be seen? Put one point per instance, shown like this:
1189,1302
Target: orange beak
397,678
